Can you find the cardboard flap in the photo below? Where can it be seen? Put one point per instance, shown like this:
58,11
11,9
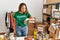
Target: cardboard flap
31,21
51,29
57,36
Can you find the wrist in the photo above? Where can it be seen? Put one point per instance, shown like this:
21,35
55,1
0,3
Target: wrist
27,19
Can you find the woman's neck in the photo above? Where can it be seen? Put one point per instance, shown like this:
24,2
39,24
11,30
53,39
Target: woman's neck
20,12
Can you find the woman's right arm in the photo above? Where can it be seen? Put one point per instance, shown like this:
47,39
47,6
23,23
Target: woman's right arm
14,23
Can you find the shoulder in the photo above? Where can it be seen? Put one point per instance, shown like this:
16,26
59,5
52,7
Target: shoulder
15,12
28,13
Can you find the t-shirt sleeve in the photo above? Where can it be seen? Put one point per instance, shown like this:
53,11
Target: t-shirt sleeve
29,15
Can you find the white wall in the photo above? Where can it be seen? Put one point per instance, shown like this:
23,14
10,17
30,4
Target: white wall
34,7
44,1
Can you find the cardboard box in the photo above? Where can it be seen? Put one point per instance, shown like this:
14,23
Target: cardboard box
31,25
44,17
52,35
51,32
53,6
31,32
48,1
57,36
48,10
50,39
55,1
42,28
57,14
37,23
58,0
51,29
52,1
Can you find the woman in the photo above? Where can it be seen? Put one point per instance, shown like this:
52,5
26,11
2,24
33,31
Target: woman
21,17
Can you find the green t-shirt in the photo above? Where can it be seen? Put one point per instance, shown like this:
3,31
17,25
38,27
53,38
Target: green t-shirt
20,17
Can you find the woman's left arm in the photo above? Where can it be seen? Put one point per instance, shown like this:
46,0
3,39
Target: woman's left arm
29,17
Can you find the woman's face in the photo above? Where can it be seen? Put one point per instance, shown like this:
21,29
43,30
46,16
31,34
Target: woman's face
23,8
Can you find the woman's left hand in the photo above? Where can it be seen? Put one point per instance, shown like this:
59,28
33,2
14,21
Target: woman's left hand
24,21
31,18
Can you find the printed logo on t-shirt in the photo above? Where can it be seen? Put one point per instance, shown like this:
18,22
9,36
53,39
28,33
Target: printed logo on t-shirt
21,16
